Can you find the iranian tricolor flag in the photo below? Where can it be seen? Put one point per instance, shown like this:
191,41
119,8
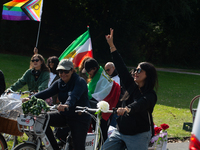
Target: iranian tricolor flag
78,49
102,87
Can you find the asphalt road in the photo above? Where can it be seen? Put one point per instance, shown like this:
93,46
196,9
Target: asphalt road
178,146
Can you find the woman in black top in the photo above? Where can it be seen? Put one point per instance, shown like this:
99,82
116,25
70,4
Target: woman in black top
134,129
72,91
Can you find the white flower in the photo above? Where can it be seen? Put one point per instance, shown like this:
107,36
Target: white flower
103,106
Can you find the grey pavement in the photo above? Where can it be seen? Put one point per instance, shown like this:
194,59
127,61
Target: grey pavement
178,146
183,71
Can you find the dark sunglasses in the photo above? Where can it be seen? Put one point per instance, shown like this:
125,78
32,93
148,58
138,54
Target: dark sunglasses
35,60
65,71
137,70
107,70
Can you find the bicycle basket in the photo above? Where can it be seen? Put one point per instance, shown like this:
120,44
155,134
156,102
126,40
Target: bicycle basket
9,126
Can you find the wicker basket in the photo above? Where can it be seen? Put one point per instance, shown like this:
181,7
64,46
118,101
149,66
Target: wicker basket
9,126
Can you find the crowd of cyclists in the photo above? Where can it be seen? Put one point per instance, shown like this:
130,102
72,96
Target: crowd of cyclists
132,92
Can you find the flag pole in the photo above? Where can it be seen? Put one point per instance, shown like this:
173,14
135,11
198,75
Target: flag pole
38,34
39,24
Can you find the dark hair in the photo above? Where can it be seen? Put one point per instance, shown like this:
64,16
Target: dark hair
151,80
54,60
43,65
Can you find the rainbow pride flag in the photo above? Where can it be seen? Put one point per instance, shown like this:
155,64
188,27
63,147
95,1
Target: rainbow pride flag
19,10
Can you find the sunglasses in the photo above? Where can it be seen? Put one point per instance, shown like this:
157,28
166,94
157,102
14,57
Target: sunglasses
65,71
139,70
35,60
107,70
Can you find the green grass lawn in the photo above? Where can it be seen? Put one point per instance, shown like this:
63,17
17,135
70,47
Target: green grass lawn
175,92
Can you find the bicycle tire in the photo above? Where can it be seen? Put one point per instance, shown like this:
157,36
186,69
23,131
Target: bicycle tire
192,102
3,144
25,146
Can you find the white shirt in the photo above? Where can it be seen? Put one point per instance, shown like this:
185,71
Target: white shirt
116,79
51,78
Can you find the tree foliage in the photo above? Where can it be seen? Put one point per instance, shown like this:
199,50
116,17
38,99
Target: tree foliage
161,32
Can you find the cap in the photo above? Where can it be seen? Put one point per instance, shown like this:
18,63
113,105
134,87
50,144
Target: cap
65,64
90,63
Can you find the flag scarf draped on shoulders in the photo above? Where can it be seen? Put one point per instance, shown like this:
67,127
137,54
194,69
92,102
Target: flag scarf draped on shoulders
19,10
78,49
102,87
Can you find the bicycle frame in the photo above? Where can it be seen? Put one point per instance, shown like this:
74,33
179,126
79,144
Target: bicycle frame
35,130
97,127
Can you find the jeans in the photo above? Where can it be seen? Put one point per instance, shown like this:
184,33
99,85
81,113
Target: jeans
79,126
114,120
118,141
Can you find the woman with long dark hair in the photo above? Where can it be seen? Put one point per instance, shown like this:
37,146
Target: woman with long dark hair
135,122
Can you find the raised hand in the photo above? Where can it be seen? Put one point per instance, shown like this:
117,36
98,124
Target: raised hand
109,39
35,51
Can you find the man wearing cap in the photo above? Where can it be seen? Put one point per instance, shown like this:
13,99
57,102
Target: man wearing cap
72,91
101,87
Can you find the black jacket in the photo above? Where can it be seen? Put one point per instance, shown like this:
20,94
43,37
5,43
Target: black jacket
73,93
140,101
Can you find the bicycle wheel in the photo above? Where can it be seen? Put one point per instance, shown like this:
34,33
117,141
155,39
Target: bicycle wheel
3,144
194,103
25,146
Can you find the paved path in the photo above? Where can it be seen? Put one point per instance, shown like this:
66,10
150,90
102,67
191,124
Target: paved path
178,146
184,71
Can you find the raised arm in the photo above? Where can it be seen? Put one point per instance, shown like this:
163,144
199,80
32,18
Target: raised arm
124,74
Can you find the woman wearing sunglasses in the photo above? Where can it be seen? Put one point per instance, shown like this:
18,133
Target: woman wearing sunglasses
135,123
37,77
72,91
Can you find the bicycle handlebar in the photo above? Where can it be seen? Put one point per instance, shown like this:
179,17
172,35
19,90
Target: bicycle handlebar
20,92
83,109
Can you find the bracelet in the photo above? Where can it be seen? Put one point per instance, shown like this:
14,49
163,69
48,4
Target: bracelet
112,47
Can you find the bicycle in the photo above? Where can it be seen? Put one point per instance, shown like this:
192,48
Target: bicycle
8,135
37,140
3,144
193,105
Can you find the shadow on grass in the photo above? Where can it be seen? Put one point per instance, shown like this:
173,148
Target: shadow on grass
187,126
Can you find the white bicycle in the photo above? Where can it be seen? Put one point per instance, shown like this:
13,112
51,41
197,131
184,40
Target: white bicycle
35,130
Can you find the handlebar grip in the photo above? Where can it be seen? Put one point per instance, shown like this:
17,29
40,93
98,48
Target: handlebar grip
114,110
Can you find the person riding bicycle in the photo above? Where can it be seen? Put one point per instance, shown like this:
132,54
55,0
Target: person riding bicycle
72,91
37,77
135,129
101,87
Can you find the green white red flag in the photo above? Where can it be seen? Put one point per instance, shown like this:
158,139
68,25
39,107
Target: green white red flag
78,49
102,87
